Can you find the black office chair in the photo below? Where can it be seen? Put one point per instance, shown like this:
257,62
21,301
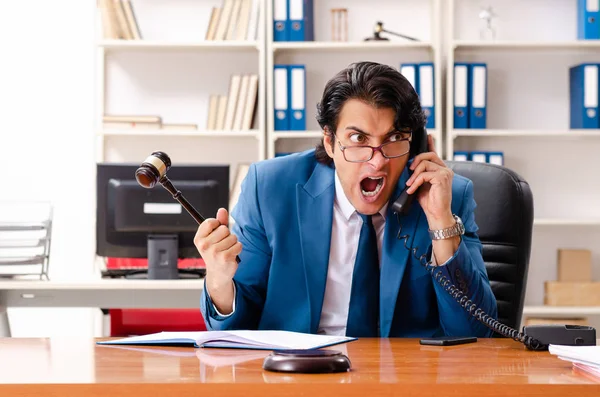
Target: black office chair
504,215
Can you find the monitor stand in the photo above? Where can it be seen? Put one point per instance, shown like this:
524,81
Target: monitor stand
162,256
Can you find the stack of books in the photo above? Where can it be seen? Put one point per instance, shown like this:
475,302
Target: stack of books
234,20
235,111
118,20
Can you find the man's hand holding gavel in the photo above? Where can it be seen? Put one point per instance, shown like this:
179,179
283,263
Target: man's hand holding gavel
219,248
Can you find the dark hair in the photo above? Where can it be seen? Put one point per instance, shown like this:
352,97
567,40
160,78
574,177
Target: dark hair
378,85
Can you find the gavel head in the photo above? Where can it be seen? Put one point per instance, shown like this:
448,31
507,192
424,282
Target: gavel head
152,169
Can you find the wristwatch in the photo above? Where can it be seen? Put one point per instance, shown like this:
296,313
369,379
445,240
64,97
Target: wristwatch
457,230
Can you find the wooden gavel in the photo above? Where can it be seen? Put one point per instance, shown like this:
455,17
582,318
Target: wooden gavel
154,169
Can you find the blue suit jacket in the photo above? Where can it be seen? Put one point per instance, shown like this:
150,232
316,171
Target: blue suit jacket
283,219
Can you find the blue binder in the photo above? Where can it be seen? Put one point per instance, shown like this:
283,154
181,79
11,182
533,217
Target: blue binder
411,72
281,98
479,157
478,96
588,19
300,17
583,89
297,97
461,95
427,92
461,156
495,158
280,20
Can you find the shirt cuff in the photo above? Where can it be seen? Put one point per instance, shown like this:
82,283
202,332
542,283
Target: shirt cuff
434,261
222,316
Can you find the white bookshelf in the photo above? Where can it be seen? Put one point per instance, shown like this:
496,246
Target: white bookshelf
525,45
526,133
324,58
179,133
171,72
349,46
566,222
296,135
561,311
224,45
528,120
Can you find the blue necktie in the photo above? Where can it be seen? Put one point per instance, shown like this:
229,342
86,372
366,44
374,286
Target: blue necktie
363,313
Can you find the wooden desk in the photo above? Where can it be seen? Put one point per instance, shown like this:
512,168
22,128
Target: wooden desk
401,367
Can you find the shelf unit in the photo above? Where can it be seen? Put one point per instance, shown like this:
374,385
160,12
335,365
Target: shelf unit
525,45
174,133
348,46
505,45
529,129
566,222
561,311
430,49
172,48
526,133
217,45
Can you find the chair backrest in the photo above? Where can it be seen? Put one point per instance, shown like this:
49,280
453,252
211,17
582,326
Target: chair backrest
504,214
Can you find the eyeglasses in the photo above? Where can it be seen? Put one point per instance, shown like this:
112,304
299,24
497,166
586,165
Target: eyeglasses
363,153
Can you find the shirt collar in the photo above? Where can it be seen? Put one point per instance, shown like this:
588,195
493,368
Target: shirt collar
344,204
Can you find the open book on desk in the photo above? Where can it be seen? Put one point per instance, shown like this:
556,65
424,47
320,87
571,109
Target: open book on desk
262,340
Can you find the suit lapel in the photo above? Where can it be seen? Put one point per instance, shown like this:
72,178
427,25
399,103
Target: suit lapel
315,217
394,256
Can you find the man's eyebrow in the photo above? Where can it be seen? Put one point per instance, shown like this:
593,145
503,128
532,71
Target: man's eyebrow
351,127
391,132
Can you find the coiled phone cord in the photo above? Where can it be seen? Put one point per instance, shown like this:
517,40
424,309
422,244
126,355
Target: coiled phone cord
466,303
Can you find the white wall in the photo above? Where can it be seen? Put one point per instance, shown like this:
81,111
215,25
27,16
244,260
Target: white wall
47,105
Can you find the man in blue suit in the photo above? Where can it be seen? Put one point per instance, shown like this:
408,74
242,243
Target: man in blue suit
321,248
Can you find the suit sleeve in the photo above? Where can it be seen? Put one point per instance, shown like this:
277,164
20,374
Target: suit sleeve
466,270
250,280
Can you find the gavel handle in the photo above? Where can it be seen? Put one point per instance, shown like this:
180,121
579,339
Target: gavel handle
167,184
188,207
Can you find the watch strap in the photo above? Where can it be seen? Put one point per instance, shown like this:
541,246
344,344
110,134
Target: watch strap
458,229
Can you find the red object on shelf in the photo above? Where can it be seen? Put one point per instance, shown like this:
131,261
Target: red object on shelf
127,322
142,263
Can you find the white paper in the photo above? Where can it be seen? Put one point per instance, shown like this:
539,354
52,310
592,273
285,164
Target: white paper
239,339
587,354
273,339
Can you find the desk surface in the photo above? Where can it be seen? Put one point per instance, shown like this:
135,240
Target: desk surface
120,293
387,367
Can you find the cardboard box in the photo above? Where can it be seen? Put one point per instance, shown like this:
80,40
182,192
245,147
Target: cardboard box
571,294
574,265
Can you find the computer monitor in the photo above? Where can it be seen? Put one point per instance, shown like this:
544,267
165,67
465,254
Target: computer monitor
135,222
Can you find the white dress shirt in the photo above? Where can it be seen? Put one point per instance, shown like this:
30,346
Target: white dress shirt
345,233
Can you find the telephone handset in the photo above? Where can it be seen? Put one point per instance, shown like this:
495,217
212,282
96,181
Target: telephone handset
402,203
534,337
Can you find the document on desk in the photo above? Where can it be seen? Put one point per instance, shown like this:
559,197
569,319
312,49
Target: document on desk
244,339
584,358
589,355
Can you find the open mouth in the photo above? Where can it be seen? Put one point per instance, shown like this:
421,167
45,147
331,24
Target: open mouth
371,186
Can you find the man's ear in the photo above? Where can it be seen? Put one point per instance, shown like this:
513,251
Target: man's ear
327,141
